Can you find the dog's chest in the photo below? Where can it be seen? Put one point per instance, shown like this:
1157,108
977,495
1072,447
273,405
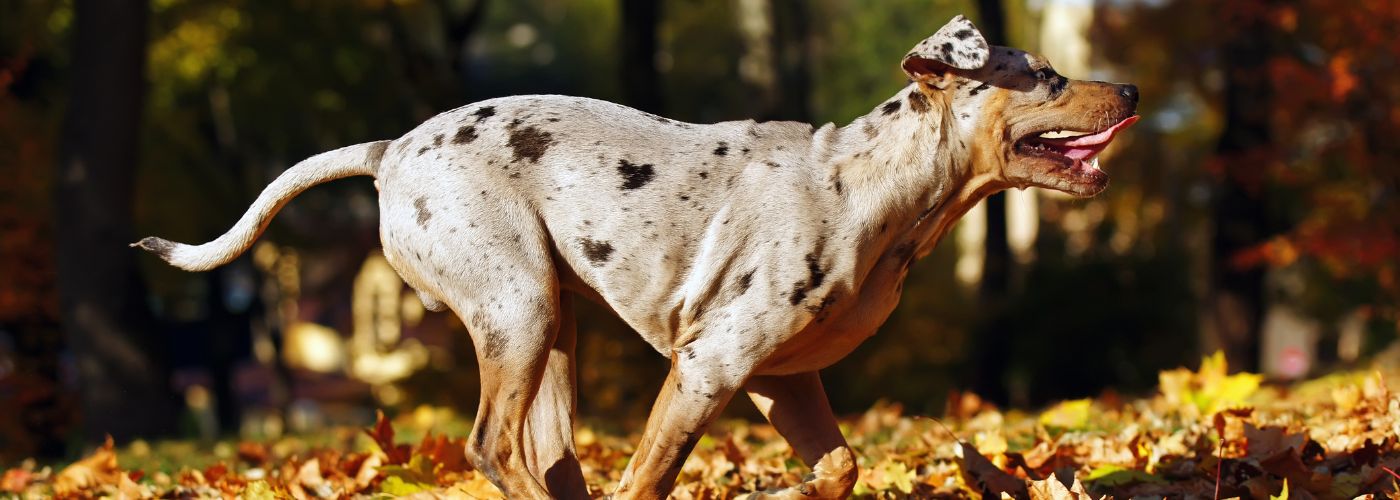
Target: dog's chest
833,334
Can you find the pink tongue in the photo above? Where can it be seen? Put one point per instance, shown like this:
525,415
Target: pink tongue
1084,147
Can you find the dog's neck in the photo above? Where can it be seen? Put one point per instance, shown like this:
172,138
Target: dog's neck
905,169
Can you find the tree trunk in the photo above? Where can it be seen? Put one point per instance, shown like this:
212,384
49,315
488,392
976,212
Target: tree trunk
993,337
122,372
792,61
996,264
641,82
1235,305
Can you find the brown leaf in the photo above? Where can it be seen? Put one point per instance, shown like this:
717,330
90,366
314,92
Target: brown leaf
99,468
368,473
1271,441
982,474
254,454
16,480
1051,488
1288,465
449,455
383,435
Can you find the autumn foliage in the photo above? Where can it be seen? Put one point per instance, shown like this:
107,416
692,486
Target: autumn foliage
1205,433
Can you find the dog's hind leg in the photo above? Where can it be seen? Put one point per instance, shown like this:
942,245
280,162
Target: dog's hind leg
703,377
549,430
512,338
496,275
797,406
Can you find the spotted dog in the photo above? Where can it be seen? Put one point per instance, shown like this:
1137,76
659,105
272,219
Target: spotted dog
750,254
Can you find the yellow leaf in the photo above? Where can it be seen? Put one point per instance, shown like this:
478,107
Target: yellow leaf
397,487
1068,414
1282,495
258,490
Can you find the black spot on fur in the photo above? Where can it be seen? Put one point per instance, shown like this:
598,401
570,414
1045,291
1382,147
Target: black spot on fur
722,149
465,135
837,185
815,276
437,140
481,434
889,108
704,175
918,102
773,164
530,143
820,308
904,251
962,34
977,89
162,247
597,252
745,281
494,340
946,48
635,176
687,446
376,154
484,113
422,150
421,204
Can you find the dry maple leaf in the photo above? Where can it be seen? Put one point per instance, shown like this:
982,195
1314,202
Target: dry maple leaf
383,435
1266,442
1051,488
16,480
254,454
982,474
447,455
97,469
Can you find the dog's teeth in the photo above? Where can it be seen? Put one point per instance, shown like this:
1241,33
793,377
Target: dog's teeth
1058,134
1094,164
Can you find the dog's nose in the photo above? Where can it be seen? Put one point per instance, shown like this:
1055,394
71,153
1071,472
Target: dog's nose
1128,91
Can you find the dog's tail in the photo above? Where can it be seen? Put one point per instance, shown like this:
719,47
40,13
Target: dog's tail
360,159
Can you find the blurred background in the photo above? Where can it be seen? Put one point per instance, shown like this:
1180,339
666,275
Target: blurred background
1256,208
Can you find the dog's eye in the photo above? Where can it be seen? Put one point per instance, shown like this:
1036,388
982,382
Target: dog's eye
1044,74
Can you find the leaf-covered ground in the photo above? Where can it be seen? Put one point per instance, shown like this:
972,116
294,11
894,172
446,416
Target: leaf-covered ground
1204,434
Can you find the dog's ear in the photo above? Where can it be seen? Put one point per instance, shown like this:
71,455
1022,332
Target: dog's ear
957,45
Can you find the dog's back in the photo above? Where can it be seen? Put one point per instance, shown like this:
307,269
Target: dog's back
627,200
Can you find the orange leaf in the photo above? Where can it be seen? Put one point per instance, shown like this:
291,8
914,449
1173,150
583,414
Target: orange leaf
97,469
383,435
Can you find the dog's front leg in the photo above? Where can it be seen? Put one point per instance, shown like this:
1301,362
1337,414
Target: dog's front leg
797,407
699,385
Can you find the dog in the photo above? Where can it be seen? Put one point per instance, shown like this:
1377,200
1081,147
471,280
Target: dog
750,254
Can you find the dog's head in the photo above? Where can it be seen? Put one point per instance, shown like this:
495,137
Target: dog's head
1024,123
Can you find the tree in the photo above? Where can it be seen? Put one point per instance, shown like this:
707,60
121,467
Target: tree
641,82
122,372
996,261
1235,305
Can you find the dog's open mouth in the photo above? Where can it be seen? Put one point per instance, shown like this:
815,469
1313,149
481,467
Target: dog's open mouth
1075,150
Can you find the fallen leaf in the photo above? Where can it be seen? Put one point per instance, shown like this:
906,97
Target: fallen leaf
383,436
985,476
1052,488
96,469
